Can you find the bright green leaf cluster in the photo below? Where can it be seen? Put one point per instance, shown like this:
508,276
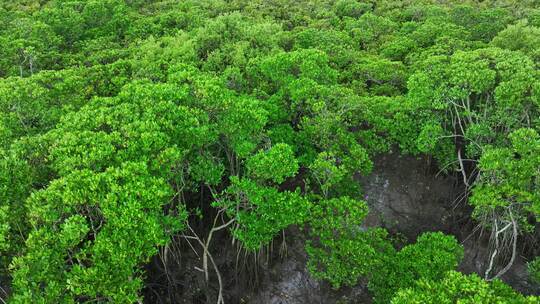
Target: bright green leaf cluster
429,258
341,250
458,288
262,212
509,178
276,164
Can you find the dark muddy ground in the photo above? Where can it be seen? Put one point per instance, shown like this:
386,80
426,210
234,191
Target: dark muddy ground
408,196
405,195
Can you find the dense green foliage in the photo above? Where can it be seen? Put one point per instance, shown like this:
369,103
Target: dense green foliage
126,123
459,288
342,252
429,258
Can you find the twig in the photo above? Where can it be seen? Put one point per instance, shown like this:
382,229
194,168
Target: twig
514,245
462,169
